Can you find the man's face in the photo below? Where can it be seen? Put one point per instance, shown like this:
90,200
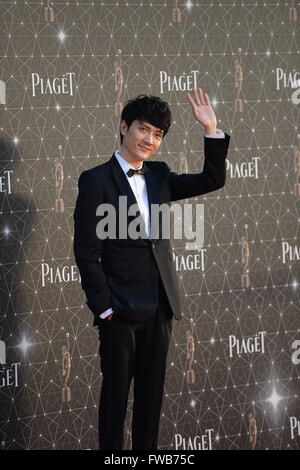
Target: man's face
140,141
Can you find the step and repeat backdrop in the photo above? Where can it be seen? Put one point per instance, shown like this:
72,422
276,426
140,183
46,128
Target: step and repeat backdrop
66,70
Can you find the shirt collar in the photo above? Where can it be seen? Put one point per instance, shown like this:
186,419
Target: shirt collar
124,164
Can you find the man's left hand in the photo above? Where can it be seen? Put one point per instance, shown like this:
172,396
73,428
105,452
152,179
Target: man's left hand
203,110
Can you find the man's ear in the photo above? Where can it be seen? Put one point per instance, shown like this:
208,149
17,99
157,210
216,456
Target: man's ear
123,127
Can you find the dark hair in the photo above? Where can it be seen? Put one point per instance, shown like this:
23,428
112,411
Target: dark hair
150,109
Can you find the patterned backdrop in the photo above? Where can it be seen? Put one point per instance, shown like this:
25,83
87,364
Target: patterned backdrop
66,70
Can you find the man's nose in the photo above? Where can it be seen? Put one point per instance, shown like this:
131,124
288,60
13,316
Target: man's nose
149,137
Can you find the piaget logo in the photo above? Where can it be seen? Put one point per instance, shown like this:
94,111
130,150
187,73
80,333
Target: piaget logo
251,344
294,427
289,79
246,169
199,442
290,252
58,274
178,82
52,85
5,182
191,262
8,375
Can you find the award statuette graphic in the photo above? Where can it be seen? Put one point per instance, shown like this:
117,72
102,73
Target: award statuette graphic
252,429
2,92
245,259
49,12
293,12
2,352
2,441
66,370
59,181
190,353
118,84
238,83
184,164
176,13
297,167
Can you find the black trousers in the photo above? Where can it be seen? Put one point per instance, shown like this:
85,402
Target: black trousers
133,350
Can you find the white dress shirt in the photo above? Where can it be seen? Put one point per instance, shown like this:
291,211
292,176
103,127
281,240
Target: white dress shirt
139,189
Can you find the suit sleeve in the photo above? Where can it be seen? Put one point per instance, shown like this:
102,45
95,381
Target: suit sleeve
212,177
88,247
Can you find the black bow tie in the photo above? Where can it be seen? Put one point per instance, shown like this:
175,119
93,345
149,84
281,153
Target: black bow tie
132,172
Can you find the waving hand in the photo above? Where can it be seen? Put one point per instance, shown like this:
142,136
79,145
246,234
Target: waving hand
203,110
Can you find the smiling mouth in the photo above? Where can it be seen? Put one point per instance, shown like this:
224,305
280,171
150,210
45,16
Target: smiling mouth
144,148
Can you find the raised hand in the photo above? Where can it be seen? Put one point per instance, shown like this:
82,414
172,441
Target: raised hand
203,111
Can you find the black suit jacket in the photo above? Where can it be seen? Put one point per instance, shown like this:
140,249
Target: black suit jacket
123,273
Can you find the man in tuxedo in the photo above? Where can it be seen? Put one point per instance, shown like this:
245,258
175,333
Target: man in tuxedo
130,281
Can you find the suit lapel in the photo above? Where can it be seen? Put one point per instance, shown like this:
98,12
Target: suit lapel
122,182
152,183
